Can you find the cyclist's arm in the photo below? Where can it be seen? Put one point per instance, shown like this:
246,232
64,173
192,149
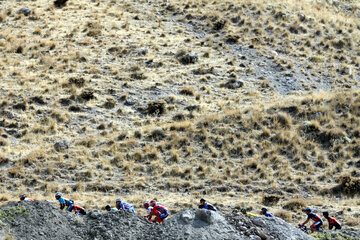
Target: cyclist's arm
307,220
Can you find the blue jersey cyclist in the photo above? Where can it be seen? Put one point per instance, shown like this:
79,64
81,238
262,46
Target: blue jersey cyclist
64,202
318,222
265,212
120,205
205,205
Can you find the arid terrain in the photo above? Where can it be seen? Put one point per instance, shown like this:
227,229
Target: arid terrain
245,103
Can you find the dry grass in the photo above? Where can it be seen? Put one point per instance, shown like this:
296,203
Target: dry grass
113,87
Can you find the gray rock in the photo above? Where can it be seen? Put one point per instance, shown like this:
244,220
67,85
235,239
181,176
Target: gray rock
45,221
255,237
129,102
26,11
233,84
143,52
302,17
61,145
346,71
258,222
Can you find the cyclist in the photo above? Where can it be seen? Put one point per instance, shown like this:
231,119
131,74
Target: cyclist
160,212
64,202
318,222
205,205
24,198
243,211
265,212
148,208
332,221
79,210
110,209
120,205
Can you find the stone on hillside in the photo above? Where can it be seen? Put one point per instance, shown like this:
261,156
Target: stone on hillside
129,102
61,145
346,71
233,84
302,17
26,11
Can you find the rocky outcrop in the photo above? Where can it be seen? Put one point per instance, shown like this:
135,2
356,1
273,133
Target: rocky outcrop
44,221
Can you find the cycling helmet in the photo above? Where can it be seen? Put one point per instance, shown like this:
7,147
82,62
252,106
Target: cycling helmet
146,205
108,207
307,210
243,210
202,200
58,194
152,203
118,200
235,210
22,196
264,209
326,214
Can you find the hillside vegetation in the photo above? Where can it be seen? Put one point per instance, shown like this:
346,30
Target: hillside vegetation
246,103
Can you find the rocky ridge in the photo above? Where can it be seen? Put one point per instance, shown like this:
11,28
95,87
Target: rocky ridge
42,220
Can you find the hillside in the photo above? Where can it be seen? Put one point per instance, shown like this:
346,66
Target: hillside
245,103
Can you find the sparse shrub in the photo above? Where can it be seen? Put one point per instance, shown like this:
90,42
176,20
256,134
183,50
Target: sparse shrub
4,198
87,94
232,39
60,3
2,17
295,204
87,142
347,185
285,215
219,25
188,58
93,29
3,159
8,237
20,106
271,199
157,134
79,82
189,91
180,53
122,136
179,117
38,99
339,44
284,120
110,103
251,164
352,222
75,108
156,107
118,51
316,59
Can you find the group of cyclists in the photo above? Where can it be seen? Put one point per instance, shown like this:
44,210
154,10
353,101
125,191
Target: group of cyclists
317,221
157,213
